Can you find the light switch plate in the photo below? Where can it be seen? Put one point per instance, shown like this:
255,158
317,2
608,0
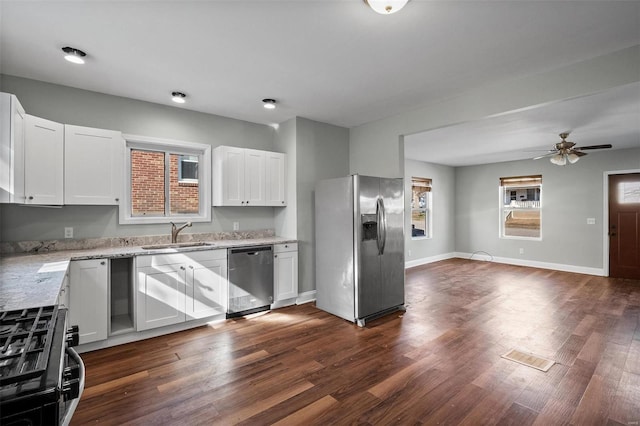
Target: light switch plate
591,221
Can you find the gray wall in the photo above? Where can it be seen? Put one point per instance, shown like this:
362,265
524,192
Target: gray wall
285,141
322,152
570,195
80,107
443,204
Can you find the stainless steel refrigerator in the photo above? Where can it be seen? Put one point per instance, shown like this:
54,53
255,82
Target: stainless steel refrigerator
359,246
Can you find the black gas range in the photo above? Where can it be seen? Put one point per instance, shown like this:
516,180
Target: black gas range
41,376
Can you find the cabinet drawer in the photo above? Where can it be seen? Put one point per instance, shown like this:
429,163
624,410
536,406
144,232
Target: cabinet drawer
281,248
185,257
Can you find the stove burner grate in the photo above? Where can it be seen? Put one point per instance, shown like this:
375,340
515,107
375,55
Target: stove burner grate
25,343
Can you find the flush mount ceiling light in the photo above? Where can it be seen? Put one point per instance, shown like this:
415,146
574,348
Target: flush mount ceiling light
386,7
178,97
269,103
74,55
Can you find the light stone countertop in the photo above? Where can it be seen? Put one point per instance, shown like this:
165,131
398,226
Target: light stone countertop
32,280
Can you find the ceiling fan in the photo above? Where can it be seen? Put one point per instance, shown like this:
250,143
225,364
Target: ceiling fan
568,151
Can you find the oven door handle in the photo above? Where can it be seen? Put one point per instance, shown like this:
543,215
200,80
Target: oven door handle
73,404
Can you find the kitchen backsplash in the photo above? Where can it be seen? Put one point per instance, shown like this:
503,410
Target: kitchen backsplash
46,246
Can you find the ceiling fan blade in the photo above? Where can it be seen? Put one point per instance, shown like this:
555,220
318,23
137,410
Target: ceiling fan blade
594,147
546,155
580,154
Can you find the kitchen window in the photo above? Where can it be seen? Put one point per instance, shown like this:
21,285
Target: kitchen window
421,218
166,181
520,207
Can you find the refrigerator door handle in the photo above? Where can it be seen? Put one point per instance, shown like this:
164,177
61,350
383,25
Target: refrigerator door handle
381,218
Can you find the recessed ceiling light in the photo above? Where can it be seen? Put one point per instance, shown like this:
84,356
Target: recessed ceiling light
269,103
178,97
74,55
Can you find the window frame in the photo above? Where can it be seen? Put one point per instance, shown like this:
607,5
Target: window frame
428,209
168,146
502,209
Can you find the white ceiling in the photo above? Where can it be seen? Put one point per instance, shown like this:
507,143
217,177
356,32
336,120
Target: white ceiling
334,61
610,117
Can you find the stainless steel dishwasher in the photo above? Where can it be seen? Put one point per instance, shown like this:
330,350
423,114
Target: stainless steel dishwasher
250,280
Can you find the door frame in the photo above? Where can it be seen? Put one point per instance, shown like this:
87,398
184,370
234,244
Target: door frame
605,216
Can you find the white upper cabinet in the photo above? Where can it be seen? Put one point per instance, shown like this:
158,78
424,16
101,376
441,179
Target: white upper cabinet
43,161
254,177
244,177
275,184
93,166
12,126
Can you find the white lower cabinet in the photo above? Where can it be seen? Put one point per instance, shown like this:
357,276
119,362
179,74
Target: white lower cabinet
177,287
88,298
285,272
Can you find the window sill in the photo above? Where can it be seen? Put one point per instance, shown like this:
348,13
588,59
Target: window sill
503,237
142,220
420,238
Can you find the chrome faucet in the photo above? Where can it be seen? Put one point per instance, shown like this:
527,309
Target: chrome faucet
175,231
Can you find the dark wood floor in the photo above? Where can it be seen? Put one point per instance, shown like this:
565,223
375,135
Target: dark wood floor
438,363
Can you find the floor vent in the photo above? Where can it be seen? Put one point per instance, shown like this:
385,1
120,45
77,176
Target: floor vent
529,360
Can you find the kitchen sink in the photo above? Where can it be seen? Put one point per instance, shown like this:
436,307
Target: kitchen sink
176,245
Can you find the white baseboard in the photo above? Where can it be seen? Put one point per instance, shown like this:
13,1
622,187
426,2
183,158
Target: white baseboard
425,260
306,297
282,303
533,263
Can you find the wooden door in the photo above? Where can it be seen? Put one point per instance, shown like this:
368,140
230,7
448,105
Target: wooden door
624,226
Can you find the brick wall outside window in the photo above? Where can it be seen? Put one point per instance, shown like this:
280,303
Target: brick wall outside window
183,195
147,186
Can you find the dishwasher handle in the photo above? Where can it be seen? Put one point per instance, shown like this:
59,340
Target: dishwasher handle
250,250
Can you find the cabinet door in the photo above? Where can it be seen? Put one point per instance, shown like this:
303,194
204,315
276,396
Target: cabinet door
88,298
229,176
275,179
43,162
285,274
206,288
254,177
12,129
93,166
160,300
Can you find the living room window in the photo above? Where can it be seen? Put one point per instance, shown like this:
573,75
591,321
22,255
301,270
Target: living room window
520,208
421,217
167,181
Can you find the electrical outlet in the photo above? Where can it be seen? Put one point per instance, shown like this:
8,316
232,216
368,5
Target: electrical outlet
408,252
591,221
521,250
236,226
68,232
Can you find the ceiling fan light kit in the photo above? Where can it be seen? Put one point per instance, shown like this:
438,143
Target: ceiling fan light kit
567,151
